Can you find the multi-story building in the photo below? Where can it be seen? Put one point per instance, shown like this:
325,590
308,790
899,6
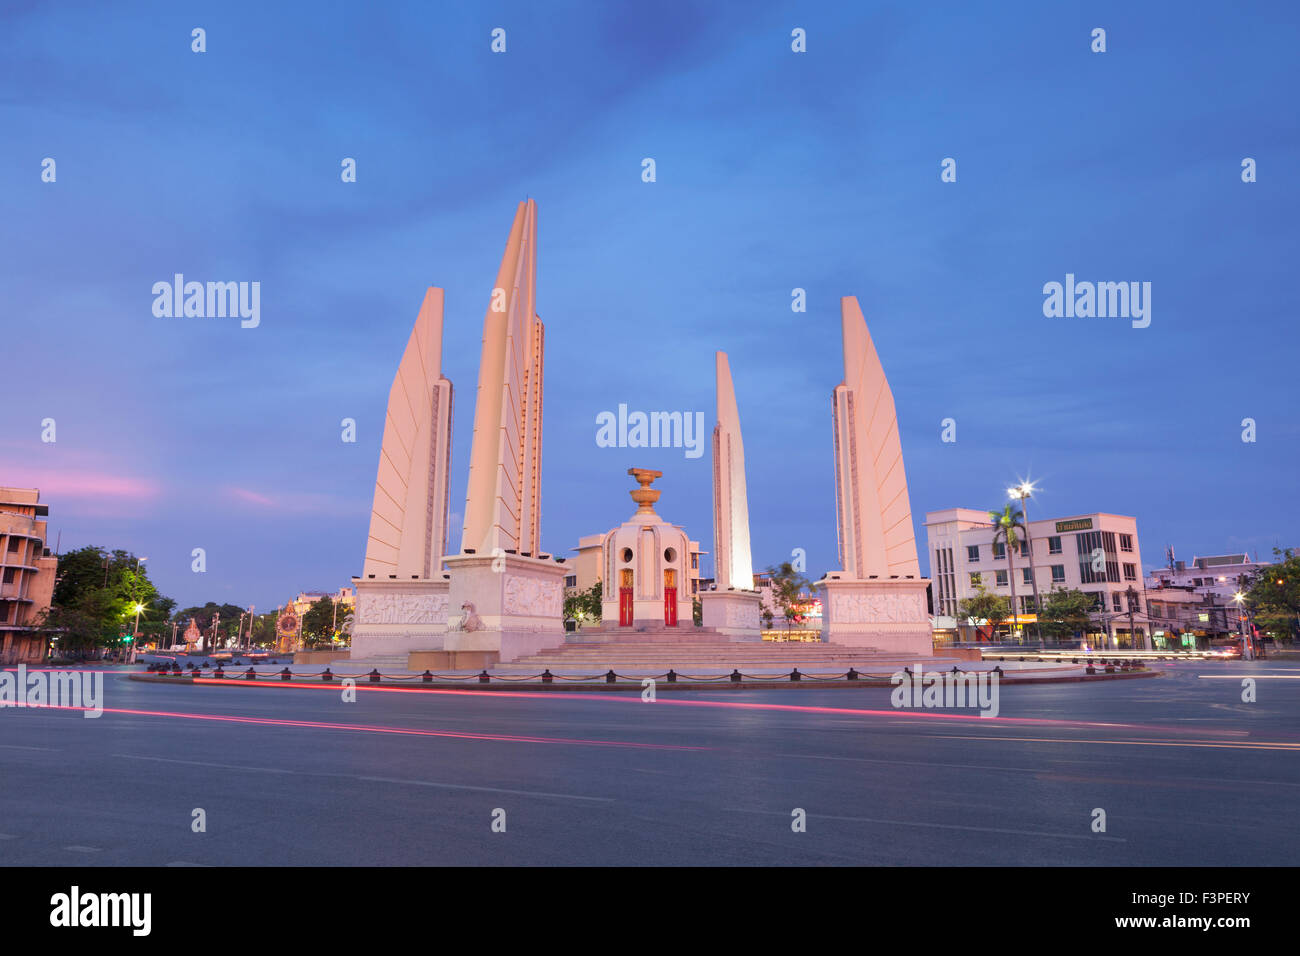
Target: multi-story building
1095,553
1219,574
27,573
1182,618
344,597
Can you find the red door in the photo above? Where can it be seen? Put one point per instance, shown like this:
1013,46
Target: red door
670,607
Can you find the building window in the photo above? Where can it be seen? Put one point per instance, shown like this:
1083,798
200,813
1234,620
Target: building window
1114,600
973,553
1027,575
1126,542
1002,579
1054,544
571,581
9,575
695,562
1130,572
1058,574
999,550
975,580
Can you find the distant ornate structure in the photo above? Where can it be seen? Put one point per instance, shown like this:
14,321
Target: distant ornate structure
877,599
192,636
288,631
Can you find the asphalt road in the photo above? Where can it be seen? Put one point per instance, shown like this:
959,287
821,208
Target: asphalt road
1186,773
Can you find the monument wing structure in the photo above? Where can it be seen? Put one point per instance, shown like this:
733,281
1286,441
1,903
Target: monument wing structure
408,523
878,598
503,499
875,516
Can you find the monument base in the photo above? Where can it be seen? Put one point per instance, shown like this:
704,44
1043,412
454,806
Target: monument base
509,604
393,618
889,615
736,614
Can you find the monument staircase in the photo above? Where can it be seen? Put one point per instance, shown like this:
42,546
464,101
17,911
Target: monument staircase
696,650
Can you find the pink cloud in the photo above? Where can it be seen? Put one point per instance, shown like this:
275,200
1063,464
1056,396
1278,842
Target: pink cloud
252,497
299,502
78,484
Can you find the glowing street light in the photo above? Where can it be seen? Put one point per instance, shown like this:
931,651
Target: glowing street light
1021,493
1247,654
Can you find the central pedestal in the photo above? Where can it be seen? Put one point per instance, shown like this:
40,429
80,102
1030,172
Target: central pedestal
888,615
393,618
733,613
509,604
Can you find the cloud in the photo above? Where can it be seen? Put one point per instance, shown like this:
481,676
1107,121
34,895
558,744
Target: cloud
294,503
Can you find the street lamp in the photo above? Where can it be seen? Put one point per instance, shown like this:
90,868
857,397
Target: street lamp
1022,492
1247,653
1131,594
135,634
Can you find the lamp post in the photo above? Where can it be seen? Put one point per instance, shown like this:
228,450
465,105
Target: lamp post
1131,594
1247,653
1023,492
135,634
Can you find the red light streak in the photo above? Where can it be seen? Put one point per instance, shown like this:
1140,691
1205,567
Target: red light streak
370,728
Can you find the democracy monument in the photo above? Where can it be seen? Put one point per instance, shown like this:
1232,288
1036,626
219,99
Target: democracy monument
499,599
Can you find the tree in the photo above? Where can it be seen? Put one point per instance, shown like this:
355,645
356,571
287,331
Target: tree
1005,523
984,606
697,611
95,596
787,588
1065,613
584,606
318,623
1273,595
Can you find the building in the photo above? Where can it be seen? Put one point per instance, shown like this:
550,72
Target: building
345,597
1221,575
1182,618
1096,553
27,574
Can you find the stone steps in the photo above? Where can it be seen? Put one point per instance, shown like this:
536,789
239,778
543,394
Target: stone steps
710,653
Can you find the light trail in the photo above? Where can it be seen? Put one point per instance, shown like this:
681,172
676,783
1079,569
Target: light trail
1215,744
369,728
632,698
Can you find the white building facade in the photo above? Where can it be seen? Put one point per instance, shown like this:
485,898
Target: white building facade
1096,553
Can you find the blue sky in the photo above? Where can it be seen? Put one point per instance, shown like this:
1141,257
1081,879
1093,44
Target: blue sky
775,170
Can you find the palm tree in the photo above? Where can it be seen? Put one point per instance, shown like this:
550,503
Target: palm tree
1005,523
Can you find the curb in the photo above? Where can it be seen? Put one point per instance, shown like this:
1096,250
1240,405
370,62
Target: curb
624,686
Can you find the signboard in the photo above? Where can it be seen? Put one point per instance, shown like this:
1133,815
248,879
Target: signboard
1074,524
